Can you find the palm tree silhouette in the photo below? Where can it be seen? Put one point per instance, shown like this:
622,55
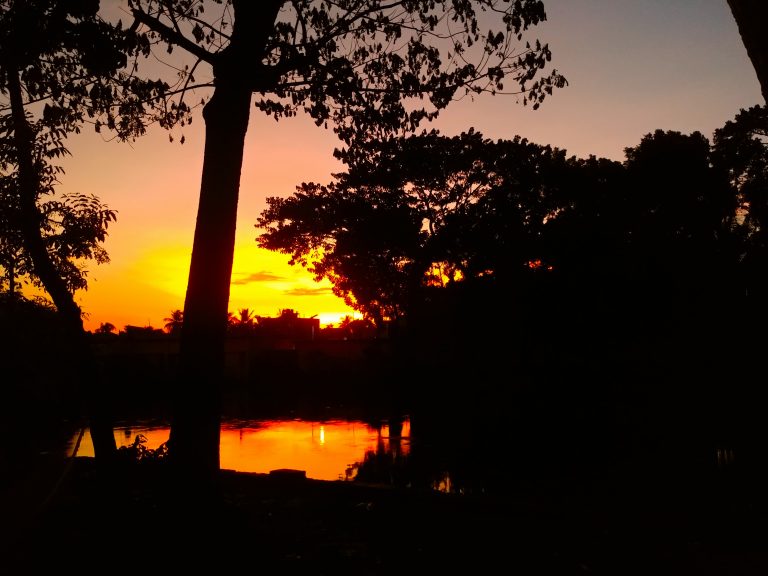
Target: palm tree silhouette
174,322
243,322
245,317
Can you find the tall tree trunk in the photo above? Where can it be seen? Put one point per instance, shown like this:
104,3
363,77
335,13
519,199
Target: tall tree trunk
68,310
194,440
196,419
752,19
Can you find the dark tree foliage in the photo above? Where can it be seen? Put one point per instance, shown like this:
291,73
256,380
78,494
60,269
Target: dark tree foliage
420,212
72,227
591,298
588,245
359,67
674,191
366,69
678,215
61,66
38,397
740,149
174,322
75,67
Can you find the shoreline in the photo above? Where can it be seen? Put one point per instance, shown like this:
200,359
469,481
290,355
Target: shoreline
134,518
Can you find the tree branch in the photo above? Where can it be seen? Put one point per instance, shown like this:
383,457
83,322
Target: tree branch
172,36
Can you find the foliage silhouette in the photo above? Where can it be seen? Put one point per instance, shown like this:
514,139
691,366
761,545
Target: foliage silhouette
62,63
740,149
557,267
363,68
174,322
106,328
416,213
72,228
138,453
41,391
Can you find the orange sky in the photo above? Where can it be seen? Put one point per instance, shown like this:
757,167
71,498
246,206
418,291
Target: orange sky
153,184
633,67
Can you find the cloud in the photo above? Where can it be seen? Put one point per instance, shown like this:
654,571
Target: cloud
308,291
262,276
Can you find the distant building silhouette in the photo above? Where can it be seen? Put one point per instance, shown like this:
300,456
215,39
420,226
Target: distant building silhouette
129,330
284,345
285,330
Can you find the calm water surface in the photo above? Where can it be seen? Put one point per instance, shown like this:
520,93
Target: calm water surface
326,450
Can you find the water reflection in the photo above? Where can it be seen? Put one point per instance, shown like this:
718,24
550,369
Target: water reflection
326,450
387,461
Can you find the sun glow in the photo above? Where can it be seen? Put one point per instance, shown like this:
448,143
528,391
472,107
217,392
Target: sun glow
265,283
154,283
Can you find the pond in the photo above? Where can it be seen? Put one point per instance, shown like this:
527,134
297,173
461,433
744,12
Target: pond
325,450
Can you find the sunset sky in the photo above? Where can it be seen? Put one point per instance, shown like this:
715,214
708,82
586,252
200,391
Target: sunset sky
633,66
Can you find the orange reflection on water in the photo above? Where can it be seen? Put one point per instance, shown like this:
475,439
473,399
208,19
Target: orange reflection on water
323,449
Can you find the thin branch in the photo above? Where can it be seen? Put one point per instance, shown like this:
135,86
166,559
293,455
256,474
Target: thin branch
170,35
190,75
172,15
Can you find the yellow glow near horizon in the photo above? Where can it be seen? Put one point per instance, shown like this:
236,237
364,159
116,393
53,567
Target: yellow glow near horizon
150,287
154,186
265,283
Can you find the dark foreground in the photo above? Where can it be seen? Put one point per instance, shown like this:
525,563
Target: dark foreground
136,520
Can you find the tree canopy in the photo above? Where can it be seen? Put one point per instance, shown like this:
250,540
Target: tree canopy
411,214
72,227
359,67
740,150
365,69
418,211
63,67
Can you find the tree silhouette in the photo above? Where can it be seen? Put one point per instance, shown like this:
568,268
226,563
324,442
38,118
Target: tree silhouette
244,322
740,149
72,230
356,327
679,208
245,317
365,68
174,322
61,66
106,328
419,212
751,16
569,255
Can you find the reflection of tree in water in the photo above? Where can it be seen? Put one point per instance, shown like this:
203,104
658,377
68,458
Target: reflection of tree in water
436,461
389,462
